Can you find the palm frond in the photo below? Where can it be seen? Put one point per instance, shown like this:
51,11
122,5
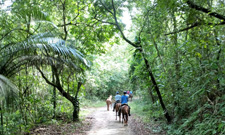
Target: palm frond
7,90
24,10
41,48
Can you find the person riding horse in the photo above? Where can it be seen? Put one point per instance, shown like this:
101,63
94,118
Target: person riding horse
117,99
131,95
124,101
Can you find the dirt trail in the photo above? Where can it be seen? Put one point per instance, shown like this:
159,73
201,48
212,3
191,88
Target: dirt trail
105,123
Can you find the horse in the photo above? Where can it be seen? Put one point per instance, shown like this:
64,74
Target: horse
117,111
124,111
109,102
131,96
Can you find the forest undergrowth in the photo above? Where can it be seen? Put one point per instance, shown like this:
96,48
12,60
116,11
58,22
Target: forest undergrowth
63,123
207,119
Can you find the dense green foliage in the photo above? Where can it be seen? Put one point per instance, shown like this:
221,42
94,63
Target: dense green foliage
56,53
109,73
184,45
45,42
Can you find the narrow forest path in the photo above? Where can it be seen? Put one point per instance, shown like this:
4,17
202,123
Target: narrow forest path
104,123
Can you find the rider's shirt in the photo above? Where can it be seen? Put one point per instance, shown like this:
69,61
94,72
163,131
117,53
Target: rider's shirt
117,97
124,99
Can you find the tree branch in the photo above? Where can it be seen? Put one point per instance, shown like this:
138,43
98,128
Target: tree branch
202,9
3,36
78,11
70,23
199,8
78,89
46,79
64,20
121,32
104,21
194,25
106,7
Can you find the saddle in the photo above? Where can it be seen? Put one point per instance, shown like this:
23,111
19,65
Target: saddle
118,101
124,105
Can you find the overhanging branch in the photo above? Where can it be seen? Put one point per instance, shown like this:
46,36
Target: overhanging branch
46,79
95,17
118,26
209,12
194,25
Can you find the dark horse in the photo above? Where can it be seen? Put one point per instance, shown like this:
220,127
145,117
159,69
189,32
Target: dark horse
117,111
131,96
124,111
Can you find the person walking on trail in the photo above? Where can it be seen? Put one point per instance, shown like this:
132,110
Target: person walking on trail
117,99
124,101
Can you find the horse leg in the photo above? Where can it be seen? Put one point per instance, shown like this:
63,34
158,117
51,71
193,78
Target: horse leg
116,114
119,115
122,117
127,119
119,118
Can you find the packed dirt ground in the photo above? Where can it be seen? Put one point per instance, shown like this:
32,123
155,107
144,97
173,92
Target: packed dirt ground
100,122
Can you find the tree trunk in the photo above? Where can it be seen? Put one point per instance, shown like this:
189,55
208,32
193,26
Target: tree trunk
217,61
54,95
76,104
166,113
76,110
58,85
178,89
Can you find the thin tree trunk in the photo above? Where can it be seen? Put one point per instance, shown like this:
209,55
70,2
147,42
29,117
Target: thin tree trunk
217,60
58,85
177,90
54,95
76,104
166,113
158,53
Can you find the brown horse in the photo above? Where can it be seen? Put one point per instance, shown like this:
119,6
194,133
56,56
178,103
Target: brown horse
117,111
109,102
131,96
124,110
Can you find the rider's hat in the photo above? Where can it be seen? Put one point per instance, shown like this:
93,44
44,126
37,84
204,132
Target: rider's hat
117,92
